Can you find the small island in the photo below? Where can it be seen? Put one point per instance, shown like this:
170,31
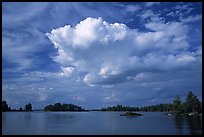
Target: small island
131,114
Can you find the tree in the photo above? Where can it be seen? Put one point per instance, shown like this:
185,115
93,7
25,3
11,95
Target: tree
5,106
177,104
192,103
196,105
57,107
200,107
28,107
20,109
48,108
189,102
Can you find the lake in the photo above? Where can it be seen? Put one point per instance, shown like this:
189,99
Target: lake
98,123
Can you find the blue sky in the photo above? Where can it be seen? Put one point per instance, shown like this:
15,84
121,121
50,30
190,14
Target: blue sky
100,54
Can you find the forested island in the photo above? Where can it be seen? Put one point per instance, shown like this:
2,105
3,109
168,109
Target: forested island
190,106
63,107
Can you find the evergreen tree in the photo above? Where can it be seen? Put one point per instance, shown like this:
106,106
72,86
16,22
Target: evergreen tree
177,104
57,107
196,105
5,106
48,108
20,109
189,102
28,107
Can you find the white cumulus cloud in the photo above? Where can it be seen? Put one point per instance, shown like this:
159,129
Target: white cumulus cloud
106,53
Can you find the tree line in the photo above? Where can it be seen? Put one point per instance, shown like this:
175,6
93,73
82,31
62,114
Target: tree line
151,108
63,107
190,105
5,107
55,107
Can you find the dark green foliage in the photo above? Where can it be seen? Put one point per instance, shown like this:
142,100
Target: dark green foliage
189,102
28,107
5,106
57,107
131,114
177,105
63,107
192,103
200,110
20,109
160,107
120,108
155,108
48,108
196,104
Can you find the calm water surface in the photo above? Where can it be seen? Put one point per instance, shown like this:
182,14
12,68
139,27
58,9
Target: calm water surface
98,123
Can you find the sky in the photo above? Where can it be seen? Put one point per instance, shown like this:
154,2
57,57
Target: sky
99,54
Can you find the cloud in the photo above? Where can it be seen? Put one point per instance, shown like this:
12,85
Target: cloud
27,12
83,35
182,10
18,47
107,54
150,16
171,14
149,4
191,19
182,7
132,8
147,13
67,71
130,59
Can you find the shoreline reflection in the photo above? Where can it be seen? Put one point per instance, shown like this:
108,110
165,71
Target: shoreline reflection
194,124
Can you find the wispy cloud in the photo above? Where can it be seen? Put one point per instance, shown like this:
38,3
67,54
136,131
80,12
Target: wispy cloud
132,8
191,19
18,47
149,4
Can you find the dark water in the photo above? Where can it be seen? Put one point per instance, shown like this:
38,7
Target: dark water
98,123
